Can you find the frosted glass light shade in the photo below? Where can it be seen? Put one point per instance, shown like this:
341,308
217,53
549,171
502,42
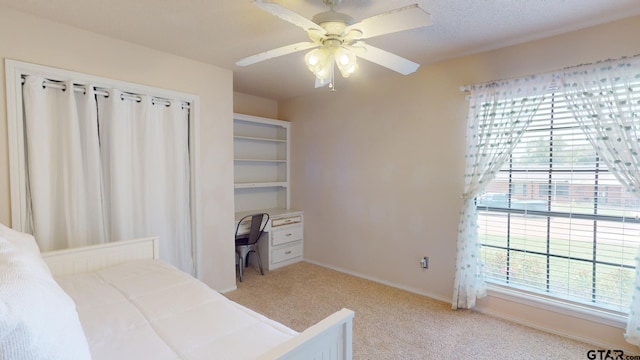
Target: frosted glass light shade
346,61
316,59
320,61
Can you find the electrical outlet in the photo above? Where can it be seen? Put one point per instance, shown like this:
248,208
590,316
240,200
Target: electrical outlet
424,262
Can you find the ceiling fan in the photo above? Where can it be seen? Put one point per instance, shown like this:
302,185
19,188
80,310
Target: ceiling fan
338,39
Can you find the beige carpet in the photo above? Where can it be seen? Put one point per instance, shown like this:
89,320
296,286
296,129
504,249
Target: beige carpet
391,323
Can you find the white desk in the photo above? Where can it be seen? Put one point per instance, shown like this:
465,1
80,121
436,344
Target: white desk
282,243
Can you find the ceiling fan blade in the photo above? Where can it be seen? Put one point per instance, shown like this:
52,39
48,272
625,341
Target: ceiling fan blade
321,83
384,58
405,18
288,15
276,52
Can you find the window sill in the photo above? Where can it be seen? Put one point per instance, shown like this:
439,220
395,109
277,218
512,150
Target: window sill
585,312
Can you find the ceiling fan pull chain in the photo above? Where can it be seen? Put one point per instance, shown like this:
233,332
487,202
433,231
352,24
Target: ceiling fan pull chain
332,82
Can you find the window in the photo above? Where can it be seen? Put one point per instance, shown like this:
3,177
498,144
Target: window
561,189
575,237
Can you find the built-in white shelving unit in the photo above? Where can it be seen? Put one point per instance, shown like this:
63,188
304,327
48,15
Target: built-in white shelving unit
261,181
261,163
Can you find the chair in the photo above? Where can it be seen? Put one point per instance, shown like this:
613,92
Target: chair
247,243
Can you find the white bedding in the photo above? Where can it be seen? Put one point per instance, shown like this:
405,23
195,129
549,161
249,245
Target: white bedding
38,320
147,309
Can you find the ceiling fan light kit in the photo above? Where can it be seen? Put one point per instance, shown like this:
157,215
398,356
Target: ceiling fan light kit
320,62
337,39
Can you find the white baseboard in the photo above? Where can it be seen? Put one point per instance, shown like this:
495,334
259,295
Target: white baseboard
629,350
224,291
380,281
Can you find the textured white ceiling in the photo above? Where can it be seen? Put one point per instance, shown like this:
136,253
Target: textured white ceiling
220,32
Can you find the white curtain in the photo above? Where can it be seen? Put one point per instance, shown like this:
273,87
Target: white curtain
499,113
605,100
107,168
63,165
147,174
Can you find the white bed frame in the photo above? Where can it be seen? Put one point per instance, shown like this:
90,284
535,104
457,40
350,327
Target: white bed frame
330,339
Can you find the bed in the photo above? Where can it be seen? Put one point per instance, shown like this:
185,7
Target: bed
118,301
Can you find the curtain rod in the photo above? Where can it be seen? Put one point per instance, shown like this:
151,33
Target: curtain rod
467,88
105,93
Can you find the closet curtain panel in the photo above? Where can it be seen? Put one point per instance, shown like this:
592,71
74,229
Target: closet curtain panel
145,165
64,189
107,168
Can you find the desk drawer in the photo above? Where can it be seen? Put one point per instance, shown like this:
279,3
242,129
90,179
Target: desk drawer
286,235
286,220
285,253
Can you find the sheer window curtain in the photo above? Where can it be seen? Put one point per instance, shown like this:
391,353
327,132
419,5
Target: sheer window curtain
107,168
499,113
605,100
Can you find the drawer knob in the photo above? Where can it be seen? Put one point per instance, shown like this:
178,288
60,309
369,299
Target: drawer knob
287,252
289,234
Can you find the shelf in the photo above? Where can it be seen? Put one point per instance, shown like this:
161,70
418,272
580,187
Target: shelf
261,160
250,138
260,185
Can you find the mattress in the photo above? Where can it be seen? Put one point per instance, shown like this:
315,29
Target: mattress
148,309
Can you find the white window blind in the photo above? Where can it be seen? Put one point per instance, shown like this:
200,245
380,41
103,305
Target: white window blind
555,221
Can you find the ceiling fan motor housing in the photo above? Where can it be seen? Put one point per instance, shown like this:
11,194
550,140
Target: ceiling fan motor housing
333,17
334,23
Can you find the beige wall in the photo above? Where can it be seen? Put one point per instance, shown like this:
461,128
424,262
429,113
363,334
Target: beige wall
30,39
378,167
254,105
